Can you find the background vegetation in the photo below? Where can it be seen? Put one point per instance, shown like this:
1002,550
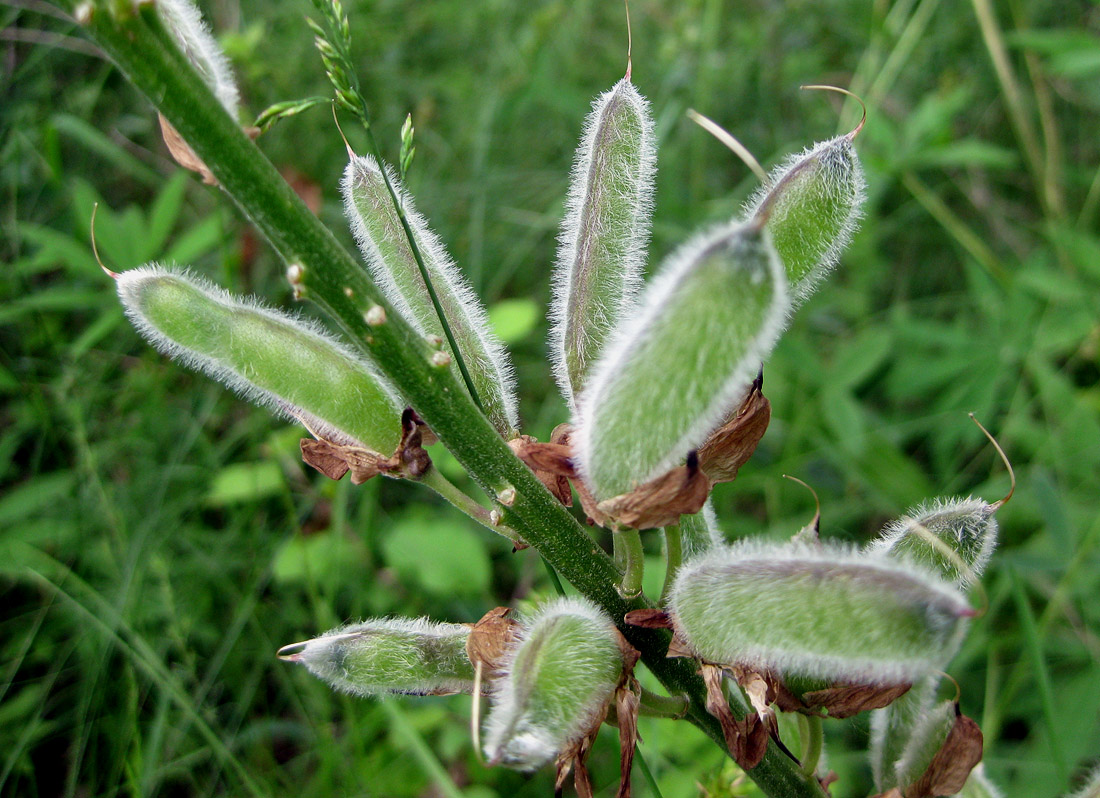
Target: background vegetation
159,539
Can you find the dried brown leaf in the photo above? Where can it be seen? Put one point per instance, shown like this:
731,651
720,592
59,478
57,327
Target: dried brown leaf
551,463
183,154
661,501
731,445
626,710
950,767
845,700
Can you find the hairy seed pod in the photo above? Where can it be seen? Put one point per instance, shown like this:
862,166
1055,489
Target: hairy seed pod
273,359
185,22
677,365
944,748
828,613
892,728
389,655
955,537
811,205
382,240
601,247
700,532
556,685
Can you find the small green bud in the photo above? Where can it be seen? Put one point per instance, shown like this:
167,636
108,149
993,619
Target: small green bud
817,612
384,245
954,537
811,205
556,686
273,359
185,22
601,252
682,359
389,655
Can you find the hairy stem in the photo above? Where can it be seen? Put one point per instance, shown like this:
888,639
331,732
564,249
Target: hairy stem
629,542
674,554
445,488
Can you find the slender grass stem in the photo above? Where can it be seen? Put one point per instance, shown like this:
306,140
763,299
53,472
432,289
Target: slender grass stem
424,755
647,773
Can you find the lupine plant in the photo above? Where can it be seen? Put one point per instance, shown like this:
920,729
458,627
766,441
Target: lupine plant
664,381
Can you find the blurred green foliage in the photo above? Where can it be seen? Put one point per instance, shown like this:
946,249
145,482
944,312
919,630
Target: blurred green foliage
159,540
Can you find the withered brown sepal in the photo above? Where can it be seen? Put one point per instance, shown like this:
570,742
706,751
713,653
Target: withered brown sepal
949,769
731,445
409,459
490,638
746,739
551,463
661,501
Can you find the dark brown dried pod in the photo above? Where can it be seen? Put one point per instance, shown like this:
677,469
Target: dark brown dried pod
731,445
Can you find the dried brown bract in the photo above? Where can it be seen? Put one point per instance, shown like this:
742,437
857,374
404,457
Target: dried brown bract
950,767
731,445
659,502
409,460
747,739
551,463
490,637
182,153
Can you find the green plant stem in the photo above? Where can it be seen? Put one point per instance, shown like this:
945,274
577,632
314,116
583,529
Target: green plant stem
445,488
812,738
662,706
629,542
429,762
674,555
330,276
647,773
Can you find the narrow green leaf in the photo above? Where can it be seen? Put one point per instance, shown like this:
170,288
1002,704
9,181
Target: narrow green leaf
278,361
389,655
682,360
818,612
601,253
385,246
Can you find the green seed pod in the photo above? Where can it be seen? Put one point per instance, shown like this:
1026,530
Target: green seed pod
955,537
602,244
700,532
674,368
828,613
385,247
275,360
389,655
556,685
892,728
811,205
184,21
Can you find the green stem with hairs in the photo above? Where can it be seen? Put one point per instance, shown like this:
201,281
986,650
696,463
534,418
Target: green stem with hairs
628,542
445,488
330,276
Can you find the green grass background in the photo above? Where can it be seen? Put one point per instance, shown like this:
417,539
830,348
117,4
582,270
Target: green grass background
159,539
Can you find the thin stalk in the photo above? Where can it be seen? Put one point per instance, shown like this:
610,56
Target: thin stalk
813,736
554,578
630,540
662,706
435,480
331,277
674,555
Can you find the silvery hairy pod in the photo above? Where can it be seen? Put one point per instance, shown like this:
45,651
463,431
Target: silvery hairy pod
955,537
673,369
944,748
556,685
816,615
601,247
276,360
892,728
389,655
191,34
382,240
811,204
